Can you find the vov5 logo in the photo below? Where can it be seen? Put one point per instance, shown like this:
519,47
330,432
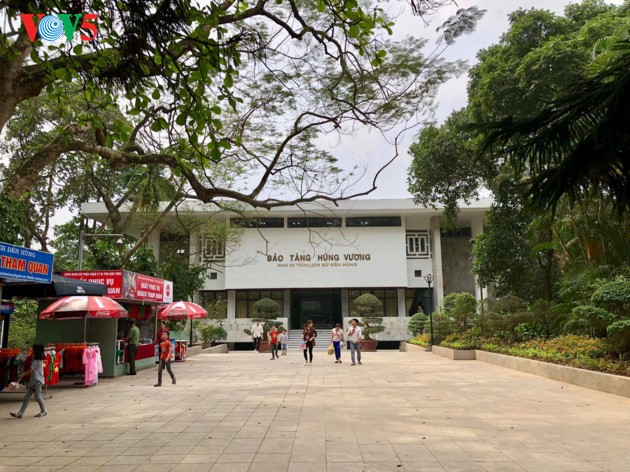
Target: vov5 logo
51,27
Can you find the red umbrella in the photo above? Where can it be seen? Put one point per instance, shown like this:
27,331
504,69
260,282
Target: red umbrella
181,311
84,306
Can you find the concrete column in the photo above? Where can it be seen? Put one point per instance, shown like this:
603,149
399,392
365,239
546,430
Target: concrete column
476,227
345,306
154,243
286,304
402,305
194,248
231,305
436,251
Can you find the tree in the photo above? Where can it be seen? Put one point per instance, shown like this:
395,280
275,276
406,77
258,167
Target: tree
267,310
461,308
556,146
211,333
23,324
370,310
214,84
417,323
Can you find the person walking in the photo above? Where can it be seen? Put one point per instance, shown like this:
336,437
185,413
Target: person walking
34,384
308,335
273,342
165,360
257,334
336,339
284,340
133,340
355,333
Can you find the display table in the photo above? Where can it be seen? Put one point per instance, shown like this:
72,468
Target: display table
145,351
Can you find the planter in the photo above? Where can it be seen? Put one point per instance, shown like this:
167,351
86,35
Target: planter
369,345
454,354
408,347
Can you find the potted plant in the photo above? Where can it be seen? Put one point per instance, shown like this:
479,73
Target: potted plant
369,310
210,334
266,310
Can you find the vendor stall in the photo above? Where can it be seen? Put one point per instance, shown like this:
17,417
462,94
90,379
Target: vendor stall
139,294
181,311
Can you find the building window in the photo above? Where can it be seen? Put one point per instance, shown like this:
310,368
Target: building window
417,300
456,233
417,244
258,222
313,222
388,297
215,302
245,300
212,249
214,276
363,221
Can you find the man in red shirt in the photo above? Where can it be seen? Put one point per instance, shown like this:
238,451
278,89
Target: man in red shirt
273,342
165,359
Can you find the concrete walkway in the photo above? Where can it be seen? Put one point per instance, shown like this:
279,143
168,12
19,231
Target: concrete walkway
398,412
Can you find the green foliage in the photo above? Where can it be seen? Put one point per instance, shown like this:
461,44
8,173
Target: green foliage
619,337
267,310
614,296
442,326
187,278
211,333
461,308
594,318
466,340
13,227
440,174
417,324
423,340
23,323
370,311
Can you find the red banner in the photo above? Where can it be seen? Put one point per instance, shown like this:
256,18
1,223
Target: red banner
127,285
113,279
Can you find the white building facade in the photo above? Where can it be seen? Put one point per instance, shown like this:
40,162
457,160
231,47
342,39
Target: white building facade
314,260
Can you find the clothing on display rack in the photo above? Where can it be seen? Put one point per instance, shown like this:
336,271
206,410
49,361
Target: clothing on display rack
15,361
81,359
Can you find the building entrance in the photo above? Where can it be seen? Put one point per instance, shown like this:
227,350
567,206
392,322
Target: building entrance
323,306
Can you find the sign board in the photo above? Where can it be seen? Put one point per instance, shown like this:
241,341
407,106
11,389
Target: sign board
122,284
25,264
318,258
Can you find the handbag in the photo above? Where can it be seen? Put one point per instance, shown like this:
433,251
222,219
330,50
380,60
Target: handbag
303,346
331,350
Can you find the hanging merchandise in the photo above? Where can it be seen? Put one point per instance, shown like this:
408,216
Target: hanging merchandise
81,359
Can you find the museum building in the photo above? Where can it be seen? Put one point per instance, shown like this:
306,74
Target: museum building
316,259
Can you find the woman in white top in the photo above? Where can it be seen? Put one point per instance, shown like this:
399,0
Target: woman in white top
336,339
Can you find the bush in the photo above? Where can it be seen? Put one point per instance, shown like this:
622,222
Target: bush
22,328
370,309
595,319
267,310
614,296
462,309
421,340
619,337
211,334
417,323
467,340
442,326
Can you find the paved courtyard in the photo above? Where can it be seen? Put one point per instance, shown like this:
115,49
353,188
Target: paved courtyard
398,412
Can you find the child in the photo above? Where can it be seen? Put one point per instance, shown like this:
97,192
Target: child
165,359
35,383
284,340
273,342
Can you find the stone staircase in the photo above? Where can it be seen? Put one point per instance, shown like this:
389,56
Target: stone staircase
295,339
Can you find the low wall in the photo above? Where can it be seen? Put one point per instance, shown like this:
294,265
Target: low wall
219,349
609,383
193,350
235,327
395,328
454,354
408,347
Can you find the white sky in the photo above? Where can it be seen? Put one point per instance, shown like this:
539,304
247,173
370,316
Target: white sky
371,150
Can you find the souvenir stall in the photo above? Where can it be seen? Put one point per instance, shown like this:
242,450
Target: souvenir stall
181,311
15,361
78,327
140,295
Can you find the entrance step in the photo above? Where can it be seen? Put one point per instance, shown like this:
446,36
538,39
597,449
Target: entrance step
295,339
